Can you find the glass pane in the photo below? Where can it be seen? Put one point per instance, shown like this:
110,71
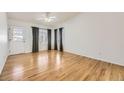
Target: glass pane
43,36
18,34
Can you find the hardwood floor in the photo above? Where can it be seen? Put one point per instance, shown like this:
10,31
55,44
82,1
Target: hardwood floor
54,65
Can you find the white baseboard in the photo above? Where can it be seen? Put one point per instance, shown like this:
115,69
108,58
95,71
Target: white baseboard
96,58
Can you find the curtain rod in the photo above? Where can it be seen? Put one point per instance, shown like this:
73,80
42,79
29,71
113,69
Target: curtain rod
47,28
41,28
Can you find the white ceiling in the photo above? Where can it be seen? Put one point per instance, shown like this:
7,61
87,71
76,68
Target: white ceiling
33,16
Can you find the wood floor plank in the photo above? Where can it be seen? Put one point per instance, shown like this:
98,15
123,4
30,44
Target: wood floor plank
55,65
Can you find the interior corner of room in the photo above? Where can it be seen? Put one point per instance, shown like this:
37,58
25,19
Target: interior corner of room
97,36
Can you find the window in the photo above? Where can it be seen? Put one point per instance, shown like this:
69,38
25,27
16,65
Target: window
16,33
43,36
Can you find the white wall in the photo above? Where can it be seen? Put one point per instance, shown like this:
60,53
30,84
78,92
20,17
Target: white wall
96,35
52,37
27,26
3,40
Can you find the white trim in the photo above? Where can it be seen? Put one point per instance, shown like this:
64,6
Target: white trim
99,59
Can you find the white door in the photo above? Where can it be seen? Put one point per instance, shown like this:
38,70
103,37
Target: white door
16,40
43,40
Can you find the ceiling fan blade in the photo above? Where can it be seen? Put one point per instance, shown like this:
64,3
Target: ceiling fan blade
40,18
52,17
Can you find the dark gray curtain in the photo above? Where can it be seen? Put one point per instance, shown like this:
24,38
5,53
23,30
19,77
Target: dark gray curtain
55,39
35,34
61,42
49,38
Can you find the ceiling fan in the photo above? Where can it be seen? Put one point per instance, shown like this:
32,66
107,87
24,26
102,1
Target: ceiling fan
47,18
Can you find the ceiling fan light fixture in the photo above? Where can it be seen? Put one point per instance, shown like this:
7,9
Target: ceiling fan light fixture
52,17
47,18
